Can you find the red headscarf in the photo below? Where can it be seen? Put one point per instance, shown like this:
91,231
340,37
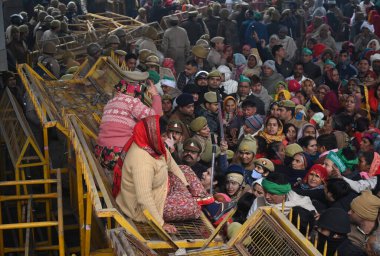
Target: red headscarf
169,63
146,135
318,169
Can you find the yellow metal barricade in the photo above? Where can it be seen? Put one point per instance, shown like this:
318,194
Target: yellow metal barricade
25,155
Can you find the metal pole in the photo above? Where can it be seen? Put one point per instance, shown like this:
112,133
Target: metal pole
212,163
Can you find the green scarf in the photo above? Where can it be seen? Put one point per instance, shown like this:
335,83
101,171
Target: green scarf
349,163
276,189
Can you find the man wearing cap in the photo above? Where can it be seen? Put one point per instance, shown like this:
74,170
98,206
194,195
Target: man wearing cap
278,193
214,80
184,112
216,57
286,109
252,125
363,215
199,54
311,70
188,75
174,133
52,33
193,28
191,152
168,86
211,111
246,156
175,44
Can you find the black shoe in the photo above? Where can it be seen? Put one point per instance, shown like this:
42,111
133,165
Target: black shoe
223,209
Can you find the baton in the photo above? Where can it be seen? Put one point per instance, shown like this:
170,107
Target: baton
212,162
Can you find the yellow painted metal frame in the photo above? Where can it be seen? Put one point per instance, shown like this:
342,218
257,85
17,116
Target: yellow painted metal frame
282,221
93,197
21,161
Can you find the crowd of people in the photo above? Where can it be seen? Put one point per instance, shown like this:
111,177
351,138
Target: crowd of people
266,104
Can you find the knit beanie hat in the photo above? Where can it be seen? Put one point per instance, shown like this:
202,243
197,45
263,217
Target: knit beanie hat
270,64
293,149
184,99
254,122
335,220
366,206
198,123
248,144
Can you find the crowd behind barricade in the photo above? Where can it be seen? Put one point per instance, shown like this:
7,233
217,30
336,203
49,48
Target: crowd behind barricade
268,104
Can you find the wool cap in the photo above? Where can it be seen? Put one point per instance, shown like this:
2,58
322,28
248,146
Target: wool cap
265,163
254,122
210,97
184,99
175,126
336,220
248,144
293,149
217,39
198,123
235,172
366,206
270,64
330,62
192,145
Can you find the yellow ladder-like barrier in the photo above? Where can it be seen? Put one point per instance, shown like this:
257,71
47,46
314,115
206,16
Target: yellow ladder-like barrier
26,156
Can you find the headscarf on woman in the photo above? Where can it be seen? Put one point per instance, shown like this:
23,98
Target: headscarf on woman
228,116
147,136
320,171
240,63
256,70
278,137
301,131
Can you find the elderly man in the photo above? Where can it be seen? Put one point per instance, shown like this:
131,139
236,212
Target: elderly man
278,193
270,76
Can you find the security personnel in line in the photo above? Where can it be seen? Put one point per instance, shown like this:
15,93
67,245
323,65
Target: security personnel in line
47,59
